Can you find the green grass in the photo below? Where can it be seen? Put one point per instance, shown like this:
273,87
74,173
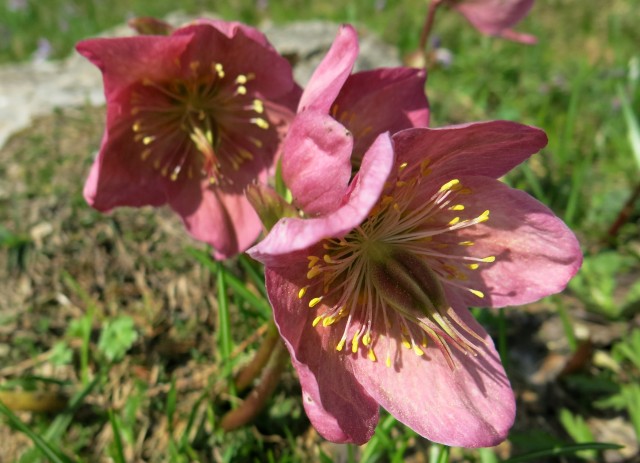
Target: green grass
580,84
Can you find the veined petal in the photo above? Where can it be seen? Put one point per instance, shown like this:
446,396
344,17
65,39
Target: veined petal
483,148
535,252
493,17
471,405
328,78
337,405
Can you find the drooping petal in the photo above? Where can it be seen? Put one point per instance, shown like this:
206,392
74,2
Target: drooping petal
390,99
292,235
337,405
328,78
484,148
470,405
494,17
535,252
224,220
316,164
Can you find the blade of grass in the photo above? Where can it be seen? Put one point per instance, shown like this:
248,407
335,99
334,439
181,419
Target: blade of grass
224,326
53,454
117,439
633,127
539,455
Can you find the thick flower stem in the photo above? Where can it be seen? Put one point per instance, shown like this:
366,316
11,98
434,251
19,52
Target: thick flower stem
258,397
428,24
624,214
251,371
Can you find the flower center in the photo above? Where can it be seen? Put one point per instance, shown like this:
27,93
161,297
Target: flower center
387,277
187,126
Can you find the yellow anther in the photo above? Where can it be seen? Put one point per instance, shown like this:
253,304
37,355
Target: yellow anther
328,321
424,167
241,90
244,154
403,166
174,175
457,207
483,217
488,259
417,350
466,243
406,343
472,266
260,123
475,292
302,292
400,183
449,185
387,362
314,272
145,154
136,126
147,140
316,320
257,143
454,221
219,69
258,106
241,79
327,258
371,355
314,302
313,260
366,339
340,345
354,342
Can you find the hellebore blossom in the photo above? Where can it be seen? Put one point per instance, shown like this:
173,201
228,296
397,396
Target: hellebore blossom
496,17
367,103
370,295
192,119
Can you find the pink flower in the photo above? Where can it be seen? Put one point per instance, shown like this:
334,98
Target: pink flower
496,17
371,294
192,118
366,103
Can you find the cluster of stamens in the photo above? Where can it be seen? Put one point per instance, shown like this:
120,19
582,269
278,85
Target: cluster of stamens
387,276
186,126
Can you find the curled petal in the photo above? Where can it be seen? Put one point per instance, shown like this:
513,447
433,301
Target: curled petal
328,78
291,235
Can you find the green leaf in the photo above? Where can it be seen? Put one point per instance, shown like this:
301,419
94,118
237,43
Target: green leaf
117,337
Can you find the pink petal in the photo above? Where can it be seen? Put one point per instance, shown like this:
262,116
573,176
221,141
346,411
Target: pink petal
126,60
338,407
328,78
291,235
469,406
492,17
119,176
536,253
382,100
224,220
316,164
239,55
483,148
